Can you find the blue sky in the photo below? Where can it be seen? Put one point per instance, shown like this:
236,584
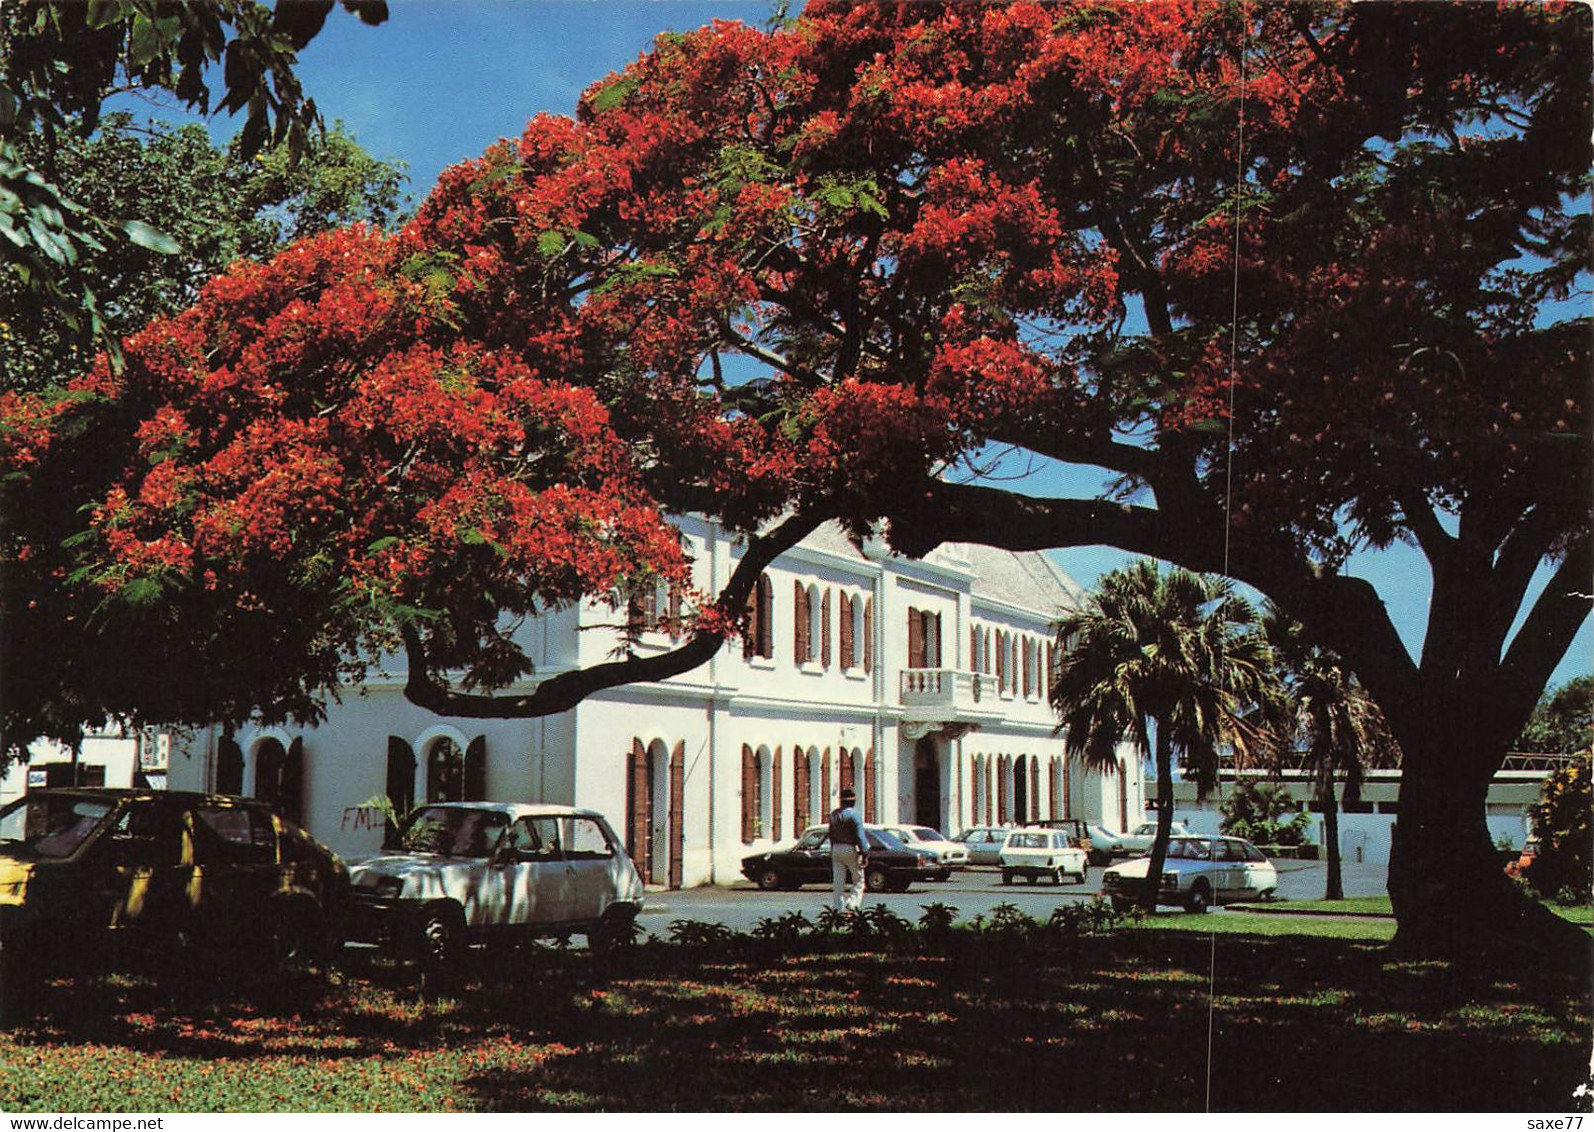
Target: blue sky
443,79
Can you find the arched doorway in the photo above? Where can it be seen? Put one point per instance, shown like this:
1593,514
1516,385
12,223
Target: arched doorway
656,814
926,783
1021,798
445,771
229,766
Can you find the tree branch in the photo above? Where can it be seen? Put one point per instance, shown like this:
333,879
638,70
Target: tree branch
564,691
1550,626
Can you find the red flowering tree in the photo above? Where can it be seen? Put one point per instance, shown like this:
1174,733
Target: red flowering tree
1289,271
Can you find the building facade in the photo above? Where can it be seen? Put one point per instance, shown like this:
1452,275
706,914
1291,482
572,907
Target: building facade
920,683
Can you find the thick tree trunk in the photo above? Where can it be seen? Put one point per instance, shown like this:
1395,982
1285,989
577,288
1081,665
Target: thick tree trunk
1334,888
1452,899
1159,844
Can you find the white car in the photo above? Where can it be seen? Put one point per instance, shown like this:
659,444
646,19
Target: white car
1104,845
463,870
951,854
1198,872
1138,840
1036,852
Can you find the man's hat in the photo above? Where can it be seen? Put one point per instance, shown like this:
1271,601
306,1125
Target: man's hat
848,794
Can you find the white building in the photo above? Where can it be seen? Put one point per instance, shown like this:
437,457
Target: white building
922,683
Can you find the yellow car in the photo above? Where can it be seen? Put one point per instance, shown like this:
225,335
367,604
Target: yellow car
149,872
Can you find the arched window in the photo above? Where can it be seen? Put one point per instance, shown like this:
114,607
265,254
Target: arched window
229,766
445,771
761,620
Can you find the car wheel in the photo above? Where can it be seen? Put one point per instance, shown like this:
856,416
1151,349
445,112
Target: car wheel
876,879
1057,877
611,934
770,880
1099,857
1007,876
1265,894
1033,877
439,936
1199,899
296,934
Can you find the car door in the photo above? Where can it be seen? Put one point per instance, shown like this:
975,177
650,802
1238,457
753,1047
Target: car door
589,858
1229,869
138,874
235,867
811,858
526,880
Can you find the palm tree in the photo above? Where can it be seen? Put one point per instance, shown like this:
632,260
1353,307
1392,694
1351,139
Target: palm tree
1173,661
1328,716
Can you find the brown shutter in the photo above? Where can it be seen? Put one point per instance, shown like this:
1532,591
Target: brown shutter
755,629
292,796
799,788
800,611
868,634
766,599
915,639
974,649
846,772
849,657
637,806
1034,787
749,785
868,785
934,634
775,803
1001,789
677,822
824,630
633,615
1001,660
674,626
990,800
1051,789
824,779
476,770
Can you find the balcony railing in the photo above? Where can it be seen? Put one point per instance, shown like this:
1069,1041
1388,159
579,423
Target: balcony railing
945,692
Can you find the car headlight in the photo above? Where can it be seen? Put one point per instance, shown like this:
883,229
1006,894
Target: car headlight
386,888
1170,880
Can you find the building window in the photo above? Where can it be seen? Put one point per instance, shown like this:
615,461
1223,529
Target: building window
924,639
760,640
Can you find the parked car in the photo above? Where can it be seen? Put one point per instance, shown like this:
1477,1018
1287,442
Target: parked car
1104,845
113,874
892,866
1198,872
1139,839
984,843
465,871
952,854
1034,852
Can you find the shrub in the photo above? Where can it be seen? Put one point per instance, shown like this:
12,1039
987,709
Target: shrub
1256,811
1561,819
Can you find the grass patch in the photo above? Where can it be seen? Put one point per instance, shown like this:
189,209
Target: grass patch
1380,906
983,1023
1274,924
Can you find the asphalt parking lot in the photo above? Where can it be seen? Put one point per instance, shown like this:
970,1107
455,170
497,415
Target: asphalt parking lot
972,892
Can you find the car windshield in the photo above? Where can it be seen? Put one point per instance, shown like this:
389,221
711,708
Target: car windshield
880,839
51,825
453,831
1027,840
925,833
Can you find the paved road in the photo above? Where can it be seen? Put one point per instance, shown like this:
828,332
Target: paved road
973,892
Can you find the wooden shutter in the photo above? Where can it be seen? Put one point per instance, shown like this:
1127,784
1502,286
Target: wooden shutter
674,624
755,627
824,779
475,784
868,786
849,658
774,796
799,788
229,766
1001,789
915,639
990,801
1001,660
677,819
974,649
766,617
1034,787
824,630
800,611
636,804
868,635
400,783
846,772
291,798
1051,789
932,644
749,787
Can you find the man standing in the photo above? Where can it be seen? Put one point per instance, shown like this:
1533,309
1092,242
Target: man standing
848,848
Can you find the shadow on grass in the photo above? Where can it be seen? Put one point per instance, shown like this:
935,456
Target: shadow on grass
1138,1020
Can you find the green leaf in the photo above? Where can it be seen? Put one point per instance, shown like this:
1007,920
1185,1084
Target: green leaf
550,244
152,238
615,93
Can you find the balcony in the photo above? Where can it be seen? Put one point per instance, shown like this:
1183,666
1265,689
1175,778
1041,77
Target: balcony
947,694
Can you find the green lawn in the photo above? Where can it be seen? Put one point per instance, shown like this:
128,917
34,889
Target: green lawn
991,1021
1379,906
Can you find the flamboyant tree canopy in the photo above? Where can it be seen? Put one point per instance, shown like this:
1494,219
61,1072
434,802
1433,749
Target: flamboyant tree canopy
1289,270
